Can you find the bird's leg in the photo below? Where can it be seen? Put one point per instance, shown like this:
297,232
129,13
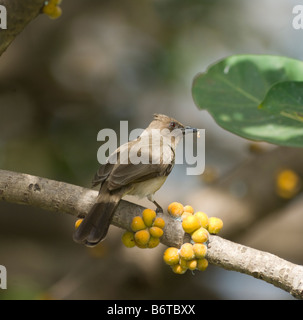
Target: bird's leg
159,208
151,198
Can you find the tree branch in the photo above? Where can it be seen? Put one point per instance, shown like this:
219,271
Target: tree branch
259,264
66,198
19,14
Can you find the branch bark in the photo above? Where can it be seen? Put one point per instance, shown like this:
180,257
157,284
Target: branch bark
19,14
67,198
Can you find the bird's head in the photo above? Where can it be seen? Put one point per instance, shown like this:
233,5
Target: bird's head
170,127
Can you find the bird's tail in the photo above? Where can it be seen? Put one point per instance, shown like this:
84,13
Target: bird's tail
94,227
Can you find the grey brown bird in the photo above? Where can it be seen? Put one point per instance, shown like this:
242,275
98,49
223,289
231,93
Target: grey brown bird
139,167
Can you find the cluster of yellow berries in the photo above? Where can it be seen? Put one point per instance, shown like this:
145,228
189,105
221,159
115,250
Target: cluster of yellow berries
146,231
191,255
194,221
52,9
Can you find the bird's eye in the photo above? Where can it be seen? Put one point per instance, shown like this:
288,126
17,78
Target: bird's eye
172,125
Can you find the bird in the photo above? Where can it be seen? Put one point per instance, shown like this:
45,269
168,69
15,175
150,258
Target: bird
138,167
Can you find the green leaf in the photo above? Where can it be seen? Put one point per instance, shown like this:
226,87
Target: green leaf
285,99
232,90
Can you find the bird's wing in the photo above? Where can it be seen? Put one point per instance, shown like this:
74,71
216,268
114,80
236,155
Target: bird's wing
102,173
124,172
105,170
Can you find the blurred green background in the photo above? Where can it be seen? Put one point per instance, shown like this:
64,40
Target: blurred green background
62,81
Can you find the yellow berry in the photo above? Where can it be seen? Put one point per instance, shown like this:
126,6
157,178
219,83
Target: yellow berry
183,262
171,256
178,269
185,214
203,218
200,235
288,184
200,250
148,216
77,223
202,264
52,10
175,209
142,237
49,8
214,225
190,224
153,242
128,239
142,246
187,251
156,232
188,208
56,13
137,224
159,222
192,264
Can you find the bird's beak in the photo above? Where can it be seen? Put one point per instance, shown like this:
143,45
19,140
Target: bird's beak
188,129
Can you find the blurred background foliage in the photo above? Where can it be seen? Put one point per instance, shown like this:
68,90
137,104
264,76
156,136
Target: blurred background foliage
104,61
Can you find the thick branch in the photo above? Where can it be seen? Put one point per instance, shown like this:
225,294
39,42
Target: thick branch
66,198
259,264
19,14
